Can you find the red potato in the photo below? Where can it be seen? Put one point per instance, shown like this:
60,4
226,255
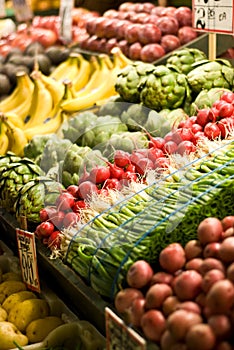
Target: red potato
167,340
183,14
149,33
229,232
172,258
186,34
156,294
161,277
136,311
169,305
201,337
188,285
226,251
220,297
221,326
153,324
193,249
230,272
210,278
180,321
211,250
168,25
134,51
223,345
190,306
209,230
125,297
170,42
201,299
139,274
210,264
227,222
194,264
152,52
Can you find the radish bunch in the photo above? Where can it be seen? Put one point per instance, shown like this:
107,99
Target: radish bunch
188,303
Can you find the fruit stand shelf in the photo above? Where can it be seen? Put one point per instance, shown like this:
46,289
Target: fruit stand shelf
80,298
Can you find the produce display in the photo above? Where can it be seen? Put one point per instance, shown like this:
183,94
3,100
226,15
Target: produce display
186,301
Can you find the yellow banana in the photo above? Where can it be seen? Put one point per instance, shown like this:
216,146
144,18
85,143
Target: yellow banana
56,88
119,58
41,104
83,76
67,69
20,96
17,138
4,141
13,118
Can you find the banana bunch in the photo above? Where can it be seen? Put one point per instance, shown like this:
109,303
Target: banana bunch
101,83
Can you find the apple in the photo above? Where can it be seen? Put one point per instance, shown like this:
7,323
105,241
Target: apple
124,46
125,15
100,27
149,33
183,14
138,17
186,34
152,52
170,42
110,44
168,11
134,51
110,28
157,10
168,25
132,32
151,19
121,28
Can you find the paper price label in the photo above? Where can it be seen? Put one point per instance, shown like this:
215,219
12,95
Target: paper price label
22,11
213,16
65,15
119,336
28,259
2,8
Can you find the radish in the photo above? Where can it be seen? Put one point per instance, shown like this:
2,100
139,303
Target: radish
86,189
226,126
182,134
130,168
156,142
228,96
70,219
84,176
57,218
212,131
65,201
162,163
155,153
73,190
44,229
121,158
46,213
196,127
226,110
143,165
112,184
186,147
139,274
170,147
203,116
99,174
78,206
54,240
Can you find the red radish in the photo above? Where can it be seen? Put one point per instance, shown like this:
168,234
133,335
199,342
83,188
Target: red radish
172,257
130,168
136,311
209,230
121,158
188,285
170,147
87,189
73,190
153,324
186,123
44,229
46,213
78,206
54,240
162,163
196,127
112,184
84,176
212,131
168,137
103,191
143,165
57,218
99,174
155,153
182,134
228,96
193,249
156,295
186,147
226,110
70,219
228,221
124,298
180,321
211,277
198,136
136,156
156,142
65,201
213,114
139,274
226,126
203,116
128,176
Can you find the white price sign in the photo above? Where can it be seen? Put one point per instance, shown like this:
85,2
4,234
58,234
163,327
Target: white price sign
213,16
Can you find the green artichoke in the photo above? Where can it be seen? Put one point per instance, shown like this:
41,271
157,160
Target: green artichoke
135,116
35,147
75,127
165,87
38,193
54,152
207,74
130,77
185,57
6,159
13,177
114,106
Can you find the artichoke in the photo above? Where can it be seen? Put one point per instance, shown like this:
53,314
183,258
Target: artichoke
6,159
206,98
38,193
35,147
135,116
129,78
13,177
207,74
114,106
166,88
54,152
160,123
75,127
185,57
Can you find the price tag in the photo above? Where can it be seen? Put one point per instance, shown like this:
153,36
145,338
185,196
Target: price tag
28,259
2,8
213,16
22,10
65,14
119,336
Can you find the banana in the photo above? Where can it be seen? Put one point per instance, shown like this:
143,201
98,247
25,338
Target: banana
56,88
41,104
21,93
82,78
119,58
4,140
68,69
17,138
13,118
